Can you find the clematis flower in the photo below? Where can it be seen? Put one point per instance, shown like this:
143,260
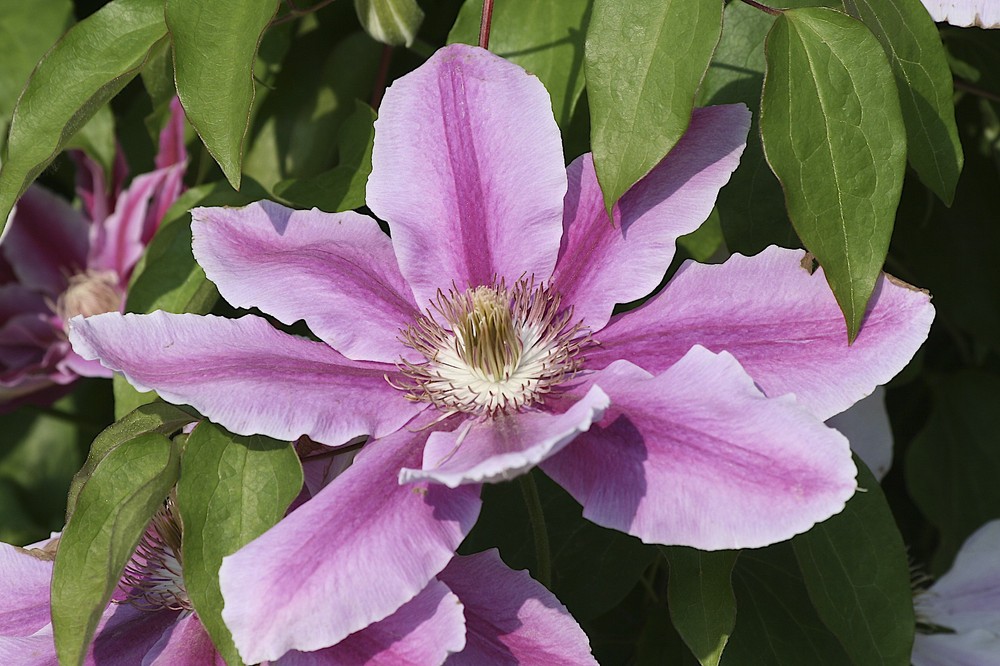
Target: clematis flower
958,617
475,611
56,263
479,341
965,13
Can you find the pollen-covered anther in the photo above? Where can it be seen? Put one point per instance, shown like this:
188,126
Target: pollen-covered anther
153,579
89,293
492,349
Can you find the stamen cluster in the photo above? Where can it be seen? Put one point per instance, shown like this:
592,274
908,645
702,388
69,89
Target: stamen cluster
153,579
492,349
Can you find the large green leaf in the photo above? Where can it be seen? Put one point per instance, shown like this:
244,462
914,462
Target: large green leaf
546,38
910,39
112,512
342,187
215,44
157,417
232,489
701,599
833,133
855,568
85,69
953,465
27,31
644,62
751,206
777,624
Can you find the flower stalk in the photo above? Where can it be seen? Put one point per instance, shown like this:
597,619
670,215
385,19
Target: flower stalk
543,555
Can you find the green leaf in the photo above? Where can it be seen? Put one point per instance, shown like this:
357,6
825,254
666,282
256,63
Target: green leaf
593,568
316,91
215,44
833,134
777,624
953,465
27,31
232,489
97,139
701,599
112,512
546,38
343,187
158,79
158,417
751,206
85,69
644,62
856,570
393,22
910,39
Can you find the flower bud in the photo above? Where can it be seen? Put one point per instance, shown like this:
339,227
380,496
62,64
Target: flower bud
393,22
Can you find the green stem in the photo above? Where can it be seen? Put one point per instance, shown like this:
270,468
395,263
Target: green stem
764,8
542,555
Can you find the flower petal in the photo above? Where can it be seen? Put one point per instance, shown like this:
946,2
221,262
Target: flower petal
247,376
967,648
351,556
424,631
780,322
172,149
866,426
25,577
117,241
968,596
127,635
505,446
697,456
47,241
510,618
965,13
186,643
601,263
468,170
335,271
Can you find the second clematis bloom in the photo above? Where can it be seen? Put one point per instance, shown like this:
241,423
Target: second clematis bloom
479,341
57,263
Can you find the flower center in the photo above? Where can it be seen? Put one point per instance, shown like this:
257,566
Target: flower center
494,350
153,579
89,293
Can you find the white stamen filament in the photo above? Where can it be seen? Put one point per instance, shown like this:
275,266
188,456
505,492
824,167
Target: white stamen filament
153,579
497,350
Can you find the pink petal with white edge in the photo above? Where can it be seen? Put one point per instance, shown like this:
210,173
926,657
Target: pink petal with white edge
25,578
423,632
335,271
510,618
601,263
782,324
351,556
866,426
697,456
468,170
247,376
965,13
46,241
505,446
968,596
186,643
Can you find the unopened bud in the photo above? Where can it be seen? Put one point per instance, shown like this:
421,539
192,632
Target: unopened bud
393,22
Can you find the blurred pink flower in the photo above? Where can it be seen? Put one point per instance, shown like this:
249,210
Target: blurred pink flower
56,263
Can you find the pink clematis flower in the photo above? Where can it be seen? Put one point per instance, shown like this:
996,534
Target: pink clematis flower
479,342
965,13
56,263
475,611
958,616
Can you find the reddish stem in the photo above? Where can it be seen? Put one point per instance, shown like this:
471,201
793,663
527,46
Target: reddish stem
382,77
764,8
484,26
